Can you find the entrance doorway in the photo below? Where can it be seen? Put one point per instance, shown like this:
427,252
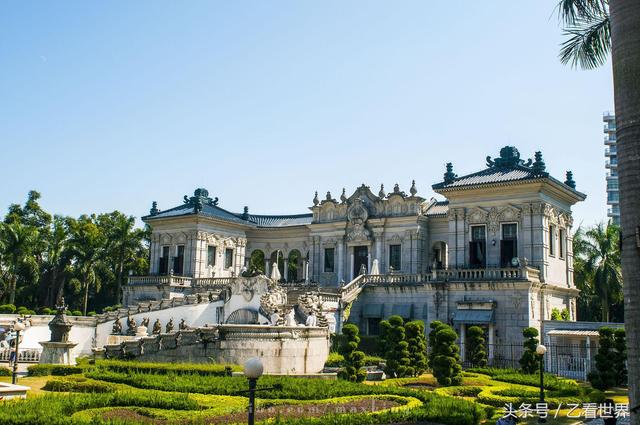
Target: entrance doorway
360,258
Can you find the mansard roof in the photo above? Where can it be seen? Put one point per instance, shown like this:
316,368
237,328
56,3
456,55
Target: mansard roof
506,169
201,204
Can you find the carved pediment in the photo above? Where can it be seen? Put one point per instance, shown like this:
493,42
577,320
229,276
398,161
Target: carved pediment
509,213
477,215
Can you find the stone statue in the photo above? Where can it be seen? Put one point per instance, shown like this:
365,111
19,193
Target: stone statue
157,327
117,327
183,325
131,325
199,298
275,318
145,322
169,326
290,318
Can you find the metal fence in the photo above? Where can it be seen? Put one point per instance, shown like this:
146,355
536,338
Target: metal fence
27,355
572,361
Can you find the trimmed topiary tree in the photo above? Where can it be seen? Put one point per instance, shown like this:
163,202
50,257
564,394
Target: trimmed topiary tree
620,356
444,358
530,361
417,347
605,375
7,309
354,360
396,352
477,349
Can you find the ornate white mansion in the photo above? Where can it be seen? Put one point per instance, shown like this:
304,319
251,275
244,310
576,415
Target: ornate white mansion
495,251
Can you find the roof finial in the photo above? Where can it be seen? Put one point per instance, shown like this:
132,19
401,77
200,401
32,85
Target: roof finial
413,189
569,181
245,213
154,208
381,193
329,196
449,176
343,197
316,201
396,188
538,164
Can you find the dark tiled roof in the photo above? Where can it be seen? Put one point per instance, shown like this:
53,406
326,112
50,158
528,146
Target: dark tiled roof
438,208
279,220
252,219
493,175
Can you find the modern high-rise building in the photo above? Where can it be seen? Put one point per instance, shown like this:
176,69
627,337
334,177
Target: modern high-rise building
611,163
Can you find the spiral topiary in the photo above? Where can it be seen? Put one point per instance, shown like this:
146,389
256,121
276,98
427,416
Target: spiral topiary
477,348
395,347
444,358
417,347
530,361
354,360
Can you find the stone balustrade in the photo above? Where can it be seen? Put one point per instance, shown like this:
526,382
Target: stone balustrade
25,355
283,349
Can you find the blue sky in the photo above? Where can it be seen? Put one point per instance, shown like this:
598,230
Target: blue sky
111,105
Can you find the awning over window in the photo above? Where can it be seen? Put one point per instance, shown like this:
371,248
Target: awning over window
373,310
402,310
473,317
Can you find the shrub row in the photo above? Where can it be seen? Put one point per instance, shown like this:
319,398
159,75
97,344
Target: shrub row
52,369
168,368
78,384
337,360
5,371
551,382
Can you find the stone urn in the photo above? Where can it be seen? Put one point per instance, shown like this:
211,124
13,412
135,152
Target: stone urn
59,350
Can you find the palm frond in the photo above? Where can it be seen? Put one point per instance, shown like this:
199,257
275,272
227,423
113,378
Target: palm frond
589,43
571,11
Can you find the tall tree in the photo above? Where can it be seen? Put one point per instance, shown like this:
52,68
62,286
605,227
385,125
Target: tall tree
56,260
616,23
597,269
87,246
18,241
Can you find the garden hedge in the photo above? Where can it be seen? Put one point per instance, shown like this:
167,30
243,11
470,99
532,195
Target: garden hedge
52,369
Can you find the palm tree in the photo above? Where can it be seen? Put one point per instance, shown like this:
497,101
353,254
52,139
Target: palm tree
123,243
18,241
87,244
621,31
56,259
597,267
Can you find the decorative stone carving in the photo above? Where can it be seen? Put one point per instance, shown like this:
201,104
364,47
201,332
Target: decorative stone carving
493,220
509,213
157,327
477,215
357,216
117,327
131,325
274,299
169,326
310,302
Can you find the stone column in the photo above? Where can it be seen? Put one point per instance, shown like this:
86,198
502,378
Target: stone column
587,366
340,261
351,276
266,267
286,269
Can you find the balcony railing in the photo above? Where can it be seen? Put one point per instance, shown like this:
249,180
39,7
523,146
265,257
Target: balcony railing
26,355
160,280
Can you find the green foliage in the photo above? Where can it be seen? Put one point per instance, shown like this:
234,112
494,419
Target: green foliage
78,384
7,309
396,348
353,369
5,371
597,273
620,357
530,361
127,366
417,347
611,369
337,360
477,348
444,358
43,257
565,314
551,382
555,314
52,369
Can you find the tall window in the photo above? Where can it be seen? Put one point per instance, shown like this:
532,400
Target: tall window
211,255
561,244
178,261
228,258
329,261
508,244
552,240
395,257
478,247
164,261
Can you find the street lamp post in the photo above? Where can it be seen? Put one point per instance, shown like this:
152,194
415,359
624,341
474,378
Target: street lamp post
253,369
17,327
540,351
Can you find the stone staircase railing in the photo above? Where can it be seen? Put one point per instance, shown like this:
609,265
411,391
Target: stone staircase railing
25,355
